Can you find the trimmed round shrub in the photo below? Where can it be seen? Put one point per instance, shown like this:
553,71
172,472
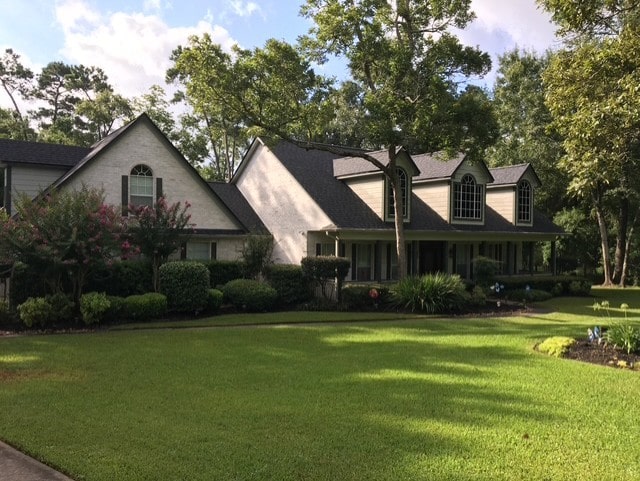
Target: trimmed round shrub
580,288
556,346
290,283
214,299
323,270
186,285
62,307
478,297
485,270
432,293
144,307
35,311
250,295
93,307
26,282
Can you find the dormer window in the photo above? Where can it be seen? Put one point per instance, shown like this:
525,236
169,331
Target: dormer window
141,186
404,193
525,204
467,199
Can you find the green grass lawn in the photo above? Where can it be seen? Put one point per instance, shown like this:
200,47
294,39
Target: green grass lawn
405,399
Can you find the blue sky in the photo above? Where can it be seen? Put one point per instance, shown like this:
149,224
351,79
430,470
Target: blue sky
131,40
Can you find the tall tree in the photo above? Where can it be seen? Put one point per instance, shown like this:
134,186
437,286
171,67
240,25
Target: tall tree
592,92
401,57
525,125
16,81
214,138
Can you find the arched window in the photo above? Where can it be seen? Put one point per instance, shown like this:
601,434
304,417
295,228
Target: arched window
141,186
525,204
467,199
404,192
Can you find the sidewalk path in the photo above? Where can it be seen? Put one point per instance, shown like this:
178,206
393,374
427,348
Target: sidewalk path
16,466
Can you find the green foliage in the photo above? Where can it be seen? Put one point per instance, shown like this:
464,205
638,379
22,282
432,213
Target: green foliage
185,284
478,297
117,309
221,272
256,255
323,270
144,307
624,336
26,281
35,311
214,300
5,314
250,295
556,346
432,293
159,231
64,235
62,306
290,283
531,295
357,297
93,307
123,278
484,270
557,285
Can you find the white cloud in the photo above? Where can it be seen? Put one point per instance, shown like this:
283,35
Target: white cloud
132,48
244,9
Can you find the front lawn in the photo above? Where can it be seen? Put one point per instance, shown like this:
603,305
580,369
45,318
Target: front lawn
408,399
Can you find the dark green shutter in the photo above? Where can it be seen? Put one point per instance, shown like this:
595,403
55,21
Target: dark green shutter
214,251
158,188
125,195
318,249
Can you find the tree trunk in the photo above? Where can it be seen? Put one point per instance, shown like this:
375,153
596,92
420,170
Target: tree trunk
396,189
621,241
625,263
604,242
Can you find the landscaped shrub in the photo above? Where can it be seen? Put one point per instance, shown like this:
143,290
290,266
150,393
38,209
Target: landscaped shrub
558,285
290,283
624,336
221,272
524,295
432,293
185,284
35,311
144,307
93,307
580,288
123,278
556,346
359,297
256,255
214,300
62,307
117,309
323,270
485,270
478,297
250,295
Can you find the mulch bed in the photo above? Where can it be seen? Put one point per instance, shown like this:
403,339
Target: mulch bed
603,353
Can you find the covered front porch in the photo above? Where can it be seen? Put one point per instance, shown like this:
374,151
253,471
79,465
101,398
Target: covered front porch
375,259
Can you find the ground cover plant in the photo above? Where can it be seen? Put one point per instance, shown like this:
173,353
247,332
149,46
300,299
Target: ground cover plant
411,399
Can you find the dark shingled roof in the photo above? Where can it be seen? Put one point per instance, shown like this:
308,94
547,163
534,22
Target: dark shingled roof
436,166
314,170
511,174
38,153
238,205
346,166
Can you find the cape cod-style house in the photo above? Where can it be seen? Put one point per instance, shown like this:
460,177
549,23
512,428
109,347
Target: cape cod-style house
312,202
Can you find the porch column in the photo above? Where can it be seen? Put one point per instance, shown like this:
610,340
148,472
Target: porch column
377,262
530,248
554,260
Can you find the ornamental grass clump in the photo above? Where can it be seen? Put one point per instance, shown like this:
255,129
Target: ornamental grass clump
624,336
432,293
